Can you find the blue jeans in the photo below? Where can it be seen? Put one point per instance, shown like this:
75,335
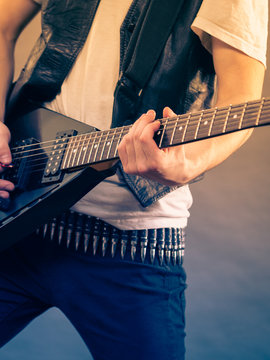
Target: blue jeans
123,309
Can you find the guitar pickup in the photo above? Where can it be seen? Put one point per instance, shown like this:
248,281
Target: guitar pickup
52,171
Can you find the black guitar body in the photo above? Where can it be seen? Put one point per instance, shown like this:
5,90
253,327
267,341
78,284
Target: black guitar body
34,201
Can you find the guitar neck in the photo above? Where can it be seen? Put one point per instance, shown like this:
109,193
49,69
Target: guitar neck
101,146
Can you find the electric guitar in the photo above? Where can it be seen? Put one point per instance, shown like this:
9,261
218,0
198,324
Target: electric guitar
57,160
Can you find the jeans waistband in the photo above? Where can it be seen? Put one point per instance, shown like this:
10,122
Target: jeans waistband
88,233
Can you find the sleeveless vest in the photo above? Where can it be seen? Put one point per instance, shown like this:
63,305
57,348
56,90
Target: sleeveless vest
182,79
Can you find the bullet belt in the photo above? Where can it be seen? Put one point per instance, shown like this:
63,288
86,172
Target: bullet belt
80,231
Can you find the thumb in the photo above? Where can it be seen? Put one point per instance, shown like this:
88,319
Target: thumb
5,154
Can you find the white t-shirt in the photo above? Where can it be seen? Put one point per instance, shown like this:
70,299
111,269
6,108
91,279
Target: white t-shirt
87,95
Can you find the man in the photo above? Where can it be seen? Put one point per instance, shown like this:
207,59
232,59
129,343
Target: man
125,305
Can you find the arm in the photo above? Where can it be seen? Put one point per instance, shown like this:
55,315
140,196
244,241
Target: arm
14,15
239,78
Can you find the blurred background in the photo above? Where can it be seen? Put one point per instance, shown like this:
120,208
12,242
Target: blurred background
227,261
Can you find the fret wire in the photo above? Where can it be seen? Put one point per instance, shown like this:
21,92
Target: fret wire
212,120
88,148
92,146
104,145
174,128
260,110
204,126
242,116
72,144
115,146
96,146
264,117
227,117
63,166
118,141
110,147
68,153
185,130
76,153
79,162
85,147
163,133
198,125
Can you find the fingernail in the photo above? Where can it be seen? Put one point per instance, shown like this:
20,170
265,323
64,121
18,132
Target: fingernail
151,112
9,187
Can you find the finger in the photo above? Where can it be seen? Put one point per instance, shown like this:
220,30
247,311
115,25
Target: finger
6,186
5,154
167,112
128,148
143,153
142,122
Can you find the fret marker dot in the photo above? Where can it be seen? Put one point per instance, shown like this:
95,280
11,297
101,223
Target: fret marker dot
95,146
235,116
74,150
108,143
181,128
84,148
205,123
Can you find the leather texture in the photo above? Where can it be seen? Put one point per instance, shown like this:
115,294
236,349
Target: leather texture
182,79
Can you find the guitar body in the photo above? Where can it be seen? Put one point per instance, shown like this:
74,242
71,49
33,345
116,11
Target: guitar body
38,202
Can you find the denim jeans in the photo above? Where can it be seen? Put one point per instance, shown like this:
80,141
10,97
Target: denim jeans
123,309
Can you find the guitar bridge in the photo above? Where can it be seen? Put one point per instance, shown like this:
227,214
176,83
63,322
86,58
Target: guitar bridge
21,170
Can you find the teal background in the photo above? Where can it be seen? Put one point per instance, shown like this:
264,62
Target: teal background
227,262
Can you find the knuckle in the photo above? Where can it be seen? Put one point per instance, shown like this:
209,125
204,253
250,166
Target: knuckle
127,139
143,139
142,169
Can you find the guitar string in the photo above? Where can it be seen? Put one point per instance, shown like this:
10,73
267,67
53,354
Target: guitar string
204,113
89,157
97,137
39,151
40,165
82,138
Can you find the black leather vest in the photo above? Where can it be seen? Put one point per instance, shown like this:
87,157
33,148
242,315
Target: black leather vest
182,79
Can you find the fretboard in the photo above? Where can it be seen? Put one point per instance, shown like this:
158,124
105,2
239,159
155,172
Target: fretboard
101,146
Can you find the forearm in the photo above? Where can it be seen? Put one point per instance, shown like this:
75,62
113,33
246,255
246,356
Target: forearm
6,70
14,16
240,79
